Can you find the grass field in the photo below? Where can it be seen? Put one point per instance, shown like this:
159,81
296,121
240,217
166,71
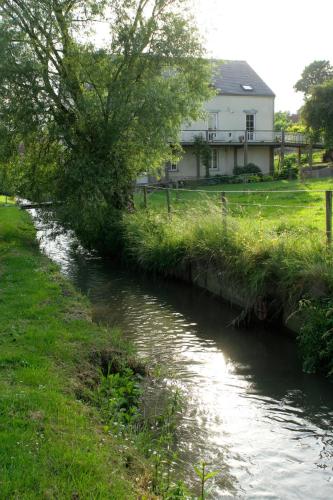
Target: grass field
53,444
304,208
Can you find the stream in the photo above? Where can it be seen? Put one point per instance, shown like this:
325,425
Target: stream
249,410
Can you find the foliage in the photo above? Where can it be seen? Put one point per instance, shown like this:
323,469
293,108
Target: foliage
204,476
314,74
318,111
119,395
282,120
250,168
112,110
203,152
316,337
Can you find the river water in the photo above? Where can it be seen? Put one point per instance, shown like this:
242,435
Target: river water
248,408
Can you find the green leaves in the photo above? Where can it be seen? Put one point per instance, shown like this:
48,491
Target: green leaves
316,73
112,110
204,476
318,111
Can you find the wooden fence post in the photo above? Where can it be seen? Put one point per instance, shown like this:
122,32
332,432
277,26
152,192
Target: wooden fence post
145,196
168,201
329,218
283,141
299,163
310,156
246,140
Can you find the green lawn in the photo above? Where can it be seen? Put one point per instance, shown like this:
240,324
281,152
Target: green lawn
8,200
304,209
53,445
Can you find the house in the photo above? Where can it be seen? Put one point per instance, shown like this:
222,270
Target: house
238,126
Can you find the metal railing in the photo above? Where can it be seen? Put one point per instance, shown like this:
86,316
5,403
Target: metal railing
242,136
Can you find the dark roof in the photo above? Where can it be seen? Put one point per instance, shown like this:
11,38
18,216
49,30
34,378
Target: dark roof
229,77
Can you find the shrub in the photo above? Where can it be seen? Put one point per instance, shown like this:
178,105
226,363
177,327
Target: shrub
250,168
267,178
288,172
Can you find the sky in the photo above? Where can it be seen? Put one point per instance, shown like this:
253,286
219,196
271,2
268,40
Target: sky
277,38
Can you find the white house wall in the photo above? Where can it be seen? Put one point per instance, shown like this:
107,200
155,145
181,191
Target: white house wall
232,110
187,168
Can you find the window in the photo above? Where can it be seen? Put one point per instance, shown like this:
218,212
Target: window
248,88
212,121
215,159
250,123
250,126
172,166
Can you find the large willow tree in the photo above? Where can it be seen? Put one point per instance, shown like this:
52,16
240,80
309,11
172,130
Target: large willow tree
86,118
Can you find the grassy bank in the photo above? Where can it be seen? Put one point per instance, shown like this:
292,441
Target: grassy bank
304,208
54,443
277,253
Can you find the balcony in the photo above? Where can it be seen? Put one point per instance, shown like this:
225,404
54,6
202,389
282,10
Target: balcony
257,137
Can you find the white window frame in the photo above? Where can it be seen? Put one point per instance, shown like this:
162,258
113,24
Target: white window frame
214,165
250,131
214,115
172,166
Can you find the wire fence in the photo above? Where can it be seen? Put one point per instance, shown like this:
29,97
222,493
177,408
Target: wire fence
152,197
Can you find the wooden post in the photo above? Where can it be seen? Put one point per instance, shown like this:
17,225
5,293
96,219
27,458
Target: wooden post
271,160
235,157
329,218
299,163
283,141
168,201
310,156
145,196
224,209
245,149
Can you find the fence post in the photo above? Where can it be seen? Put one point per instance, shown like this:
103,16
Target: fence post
145,196
168,201
299,163
282,149
224,209
310,156
246,148
329,218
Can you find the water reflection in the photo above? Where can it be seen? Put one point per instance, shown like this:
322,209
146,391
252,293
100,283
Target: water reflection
248,405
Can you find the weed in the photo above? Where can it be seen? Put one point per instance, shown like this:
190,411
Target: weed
204,476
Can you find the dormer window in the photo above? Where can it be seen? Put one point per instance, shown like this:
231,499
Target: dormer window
248,88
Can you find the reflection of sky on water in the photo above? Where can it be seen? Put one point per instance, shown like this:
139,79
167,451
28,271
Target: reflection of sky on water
248,407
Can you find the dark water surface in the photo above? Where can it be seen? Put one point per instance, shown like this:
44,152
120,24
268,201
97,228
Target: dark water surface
249,409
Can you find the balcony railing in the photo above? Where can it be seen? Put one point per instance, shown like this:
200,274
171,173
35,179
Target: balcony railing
242,136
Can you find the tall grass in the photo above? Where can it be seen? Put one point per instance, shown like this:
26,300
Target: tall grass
286,261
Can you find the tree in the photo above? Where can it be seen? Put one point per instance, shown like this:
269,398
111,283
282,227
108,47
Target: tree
203,153
314,74
107,113
318,111
282,120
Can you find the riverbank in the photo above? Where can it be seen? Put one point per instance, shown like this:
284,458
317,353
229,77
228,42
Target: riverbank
54,441
279,272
